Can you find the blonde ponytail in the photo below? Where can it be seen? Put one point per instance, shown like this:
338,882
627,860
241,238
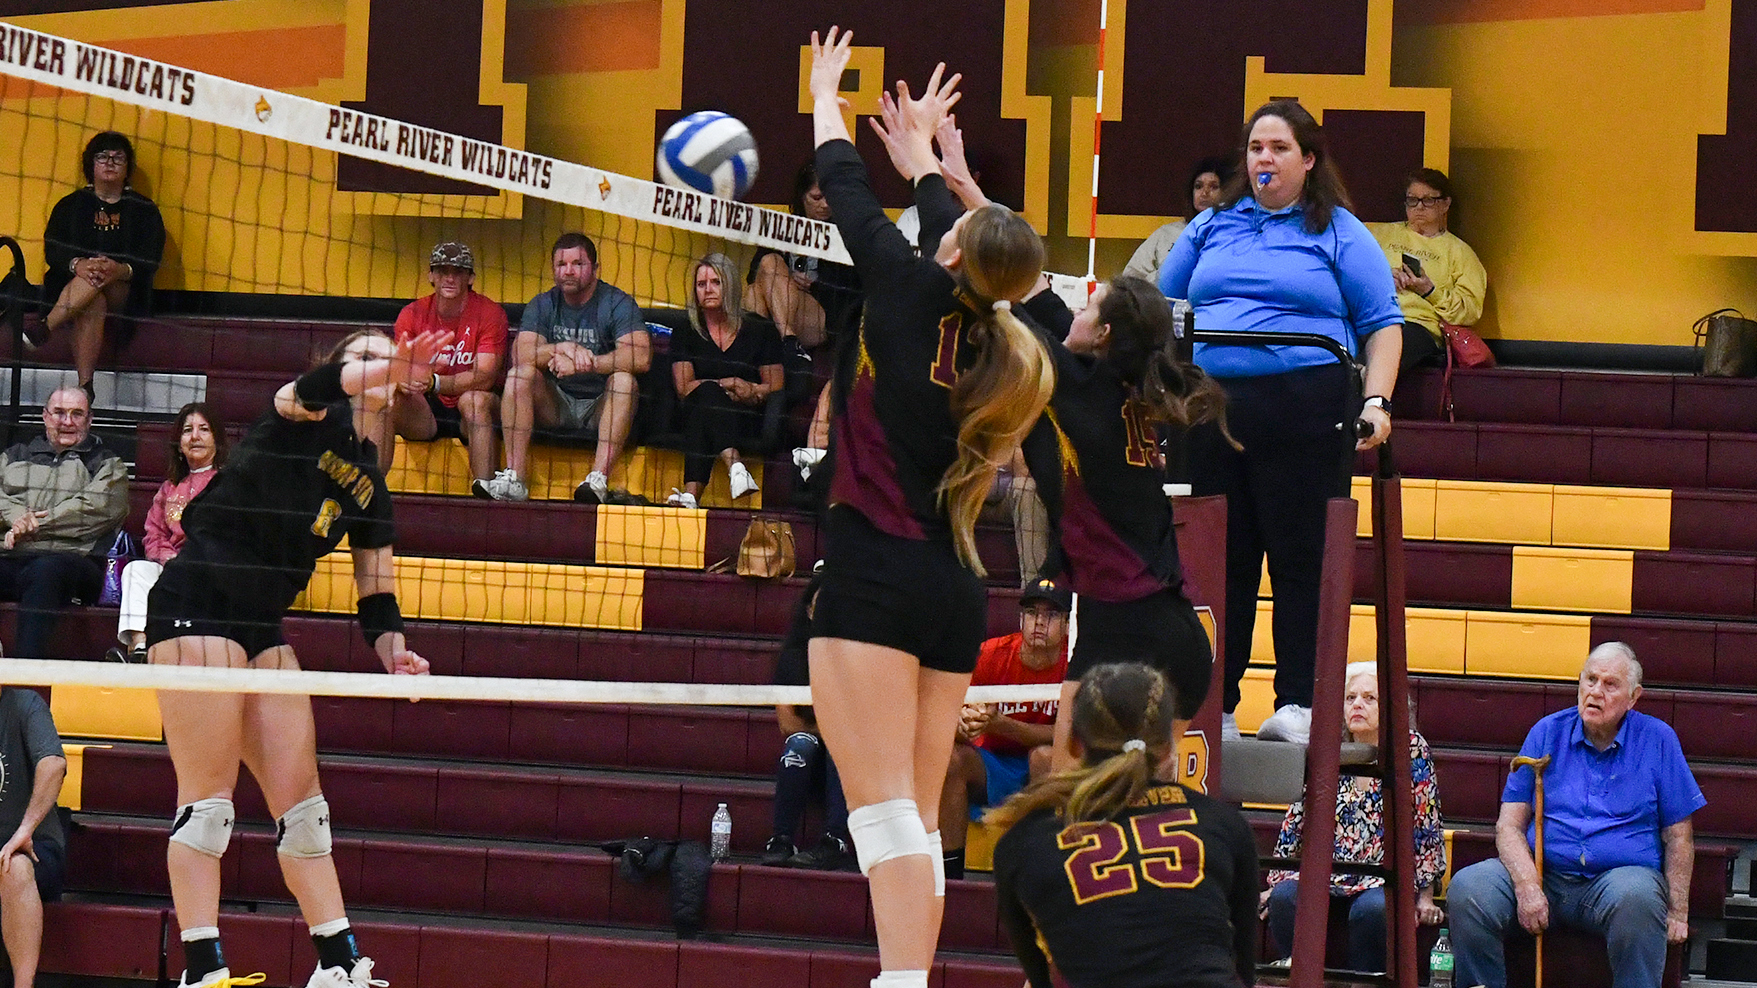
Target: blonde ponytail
999,399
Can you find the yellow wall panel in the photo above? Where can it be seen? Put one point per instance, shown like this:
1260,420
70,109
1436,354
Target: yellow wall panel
1262,636
1436,639
1573,579
1256,699
631,536
104,712
1418,506
492,591
1540,646
1612,517
1480,511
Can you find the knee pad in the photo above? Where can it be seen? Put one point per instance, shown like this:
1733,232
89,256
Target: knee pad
304,829
891,829
936,852
205,825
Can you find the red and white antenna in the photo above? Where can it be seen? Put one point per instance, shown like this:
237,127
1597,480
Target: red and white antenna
1097,134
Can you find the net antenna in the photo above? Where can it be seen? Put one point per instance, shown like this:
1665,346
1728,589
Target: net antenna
79,67
1097,136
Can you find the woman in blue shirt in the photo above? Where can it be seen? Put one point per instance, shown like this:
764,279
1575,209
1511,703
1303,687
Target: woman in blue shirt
1282,253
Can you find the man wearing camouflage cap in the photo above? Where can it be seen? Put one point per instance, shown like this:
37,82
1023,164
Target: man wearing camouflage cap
463,398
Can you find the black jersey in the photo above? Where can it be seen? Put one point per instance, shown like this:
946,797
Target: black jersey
286,496
893,434
1091,456
1162,896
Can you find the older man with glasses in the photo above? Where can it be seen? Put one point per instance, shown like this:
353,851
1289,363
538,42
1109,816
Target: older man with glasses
63,495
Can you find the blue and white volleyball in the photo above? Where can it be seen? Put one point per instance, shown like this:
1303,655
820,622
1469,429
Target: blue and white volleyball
710,152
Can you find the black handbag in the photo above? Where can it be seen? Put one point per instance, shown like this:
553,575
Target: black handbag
1729,344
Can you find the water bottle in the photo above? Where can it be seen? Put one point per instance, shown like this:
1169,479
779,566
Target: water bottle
720,843
1440,962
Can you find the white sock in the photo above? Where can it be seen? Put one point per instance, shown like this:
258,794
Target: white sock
330,928
201,933
900,979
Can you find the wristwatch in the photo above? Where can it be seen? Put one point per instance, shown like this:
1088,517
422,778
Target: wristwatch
1379,401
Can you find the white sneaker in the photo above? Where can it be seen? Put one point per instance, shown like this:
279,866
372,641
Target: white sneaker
506,486
1289,723
806,459
595,489
1229,728
221,979
335,977
681,499
739,479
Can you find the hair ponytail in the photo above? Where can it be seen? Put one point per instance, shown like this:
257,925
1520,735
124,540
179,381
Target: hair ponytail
1142,350
1122,716
999,399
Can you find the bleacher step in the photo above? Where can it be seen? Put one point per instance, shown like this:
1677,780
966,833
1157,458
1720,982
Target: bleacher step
1733,960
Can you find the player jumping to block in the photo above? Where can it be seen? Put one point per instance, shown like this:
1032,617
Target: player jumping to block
301,480
939,386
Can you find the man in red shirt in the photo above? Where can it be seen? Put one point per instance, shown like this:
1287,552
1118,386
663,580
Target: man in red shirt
993,757
462,400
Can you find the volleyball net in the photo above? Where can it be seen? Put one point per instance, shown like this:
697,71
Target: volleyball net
290,223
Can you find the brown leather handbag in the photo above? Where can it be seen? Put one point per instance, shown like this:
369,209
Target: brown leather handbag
1729,344
766,551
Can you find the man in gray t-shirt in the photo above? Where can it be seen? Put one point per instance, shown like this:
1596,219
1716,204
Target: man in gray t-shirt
572,366
33,861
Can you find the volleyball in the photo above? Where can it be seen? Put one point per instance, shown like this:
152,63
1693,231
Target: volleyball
710,152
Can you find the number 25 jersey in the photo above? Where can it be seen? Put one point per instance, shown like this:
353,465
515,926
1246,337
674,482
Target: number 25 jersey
1163,895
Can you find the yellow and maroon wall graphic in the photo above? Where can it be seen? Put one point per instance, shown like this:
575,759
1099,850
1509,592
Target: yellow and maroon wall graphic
1602,150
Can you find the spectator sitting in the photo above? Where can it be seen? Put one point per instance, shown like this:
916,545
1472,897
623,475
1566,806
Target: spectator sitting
1204,188
1002,746
34,860
103,245
198,448
805,768
1618,846
1449,284
810,300
460,401
63,494
572,367
725,372
1360,838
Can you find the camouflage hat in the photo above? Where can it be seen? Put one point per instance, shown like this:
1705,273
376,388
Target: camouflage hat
452,254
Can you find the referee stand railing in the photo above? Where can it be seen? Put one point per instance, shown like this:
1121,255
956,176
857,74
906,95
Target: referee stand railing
1324,750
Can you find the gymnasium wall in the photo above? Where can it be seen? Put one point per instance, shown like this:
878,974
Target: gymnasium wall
1601,149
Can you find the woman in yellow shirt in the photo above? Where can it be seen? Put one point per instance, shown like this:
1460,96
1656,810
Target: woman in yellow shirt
1447,281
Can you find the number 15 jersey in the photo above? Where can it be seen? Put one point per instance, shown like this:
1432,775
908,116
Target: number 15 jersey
1163,895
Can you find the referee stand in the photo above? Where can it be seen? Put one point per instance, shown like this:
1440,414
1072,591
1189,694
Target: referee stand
1324,754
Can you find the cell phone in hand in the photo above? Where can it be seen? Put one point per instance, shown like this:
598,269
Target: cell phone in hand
1413,263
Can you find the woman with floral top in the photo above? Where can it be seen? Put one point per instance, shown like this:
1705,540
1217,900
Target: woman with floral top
1360,838
198,447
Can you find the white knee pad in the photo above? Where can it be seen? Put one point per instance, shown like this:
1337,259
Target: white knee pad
882,831
900,979
205,825
304,829
936,849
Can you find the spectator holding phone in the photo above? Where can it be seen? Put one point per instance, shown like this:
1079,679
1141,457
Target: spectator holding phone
1439,278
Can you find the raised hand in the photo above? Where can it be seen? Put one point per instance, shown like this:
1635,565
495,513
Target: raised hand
954,166
922,115
829,59
888,125
412,359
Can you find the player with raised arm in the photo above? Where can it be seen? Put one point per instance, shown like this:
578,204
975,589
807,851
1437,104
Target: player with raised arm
939,386
1120,878
302,479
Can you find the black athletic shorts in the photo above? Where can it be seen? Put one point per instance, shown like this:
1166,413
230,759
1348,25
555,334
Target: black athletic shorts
448,419
907,594
51,868
1161,630
185,603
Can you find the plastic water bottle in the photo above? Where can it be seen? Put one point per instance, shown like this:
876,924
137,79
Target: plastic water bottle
720,843
1440,962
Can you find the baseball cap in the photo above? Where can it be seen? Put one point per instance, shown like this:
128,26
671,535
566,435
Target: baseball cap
1043,588
452,254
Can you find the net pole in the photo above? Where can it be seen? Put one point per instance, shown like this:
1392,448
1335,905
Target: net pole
1097,137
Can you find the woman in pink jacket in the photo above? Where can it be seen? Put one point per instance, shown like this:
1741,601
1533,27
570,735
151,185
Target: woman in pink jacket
198,451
